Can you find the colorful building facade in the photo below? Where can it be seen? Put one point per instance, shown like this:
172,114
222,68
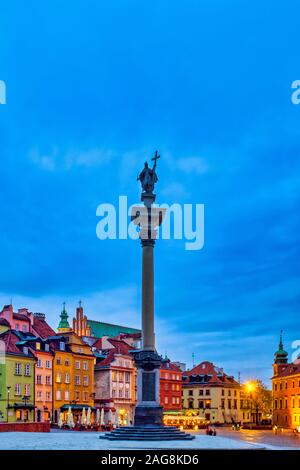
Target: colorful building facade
170,386
17,385
115,379
215,396
286,390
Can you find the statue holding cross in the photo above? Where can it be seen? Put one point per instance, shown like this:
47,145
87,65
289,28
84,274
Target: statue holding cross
148,176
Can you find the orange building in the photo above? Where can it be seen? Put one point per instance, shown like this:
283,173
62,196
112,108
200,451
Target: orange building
170,386
286,390
73,374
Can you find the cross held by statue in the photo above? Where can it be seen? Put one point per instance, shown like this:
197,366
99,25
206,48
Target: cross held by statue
156,157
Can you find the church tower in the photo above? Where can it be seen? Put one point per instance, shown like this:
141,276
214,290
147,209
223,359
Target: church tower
64,326
280,358
80,323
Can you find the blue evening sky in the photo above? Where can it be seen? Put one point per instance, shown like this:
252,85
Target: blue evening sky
93,88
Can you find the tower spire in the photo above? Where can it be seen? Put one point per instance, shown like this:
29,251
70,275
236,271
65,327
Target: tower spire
64,320
281,356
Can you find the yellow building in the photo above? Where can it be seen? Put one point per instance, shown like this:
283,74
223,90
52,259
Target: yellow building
73,375
213,395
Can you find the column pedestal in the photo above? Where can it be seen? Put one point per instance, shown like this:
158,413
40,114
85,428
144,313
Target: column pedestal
148,411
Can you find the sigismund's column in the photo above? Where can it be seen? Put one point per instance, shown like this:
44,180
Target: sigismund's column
148,410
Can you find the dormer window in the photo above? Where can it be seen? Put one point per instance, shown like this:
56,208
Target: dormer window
47,347
37,346
62,346
25,350
24,328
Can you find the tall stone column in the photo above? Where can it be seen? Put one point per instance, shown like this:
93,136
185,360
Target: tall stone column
148,410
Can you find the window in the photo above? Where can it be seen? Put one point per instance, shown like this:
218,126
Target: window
58,395
67,362
58,378
223,392
85,396
58,361
67,395
25,350
24,328
235,404
18,368
223,404
191,393
229,393
207,392
62,346
191,404
166,387
18,389
17,327
77,365
48,379
77,379
229,404
207,404
39,380
113,393
85,366
47,349
39,363
67,378
48,364
48,396
127,377
37,346
39,396
126,394
27,390
234,393
121,376
121,393
200,392
77,395
85,380
113,375
27,369
166,400
201,404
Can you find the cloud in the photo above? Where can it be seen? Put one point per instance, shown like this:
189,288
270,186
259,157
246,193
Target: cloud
196,165
57,159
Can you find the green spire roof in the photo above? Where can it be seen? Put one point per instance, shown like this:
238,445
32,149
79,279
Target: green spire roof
64,323
281,356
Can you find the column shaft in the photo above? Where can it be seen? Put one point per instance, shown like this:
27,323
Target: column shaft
148,298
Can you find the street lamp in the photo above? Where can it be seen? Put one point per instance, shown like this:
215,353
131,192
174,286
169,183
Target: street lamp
251,387
8,394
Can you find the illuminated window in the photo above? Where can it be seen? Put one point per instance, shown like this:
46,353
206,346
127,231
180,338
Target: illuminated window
67,378
85,380
58,378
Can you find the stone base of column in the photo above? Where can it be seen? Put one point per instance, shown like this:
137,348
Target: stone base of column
148,411
148,416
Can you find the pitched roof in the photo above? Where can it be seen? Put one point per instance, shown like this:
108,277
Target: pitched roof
21,316
207,373
289,369
41,328
100,329
4,322
168,365
119,347
11,340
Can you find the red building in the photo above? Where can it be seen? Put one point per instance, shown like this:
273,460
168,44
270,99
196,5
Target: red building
170,386
286,390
